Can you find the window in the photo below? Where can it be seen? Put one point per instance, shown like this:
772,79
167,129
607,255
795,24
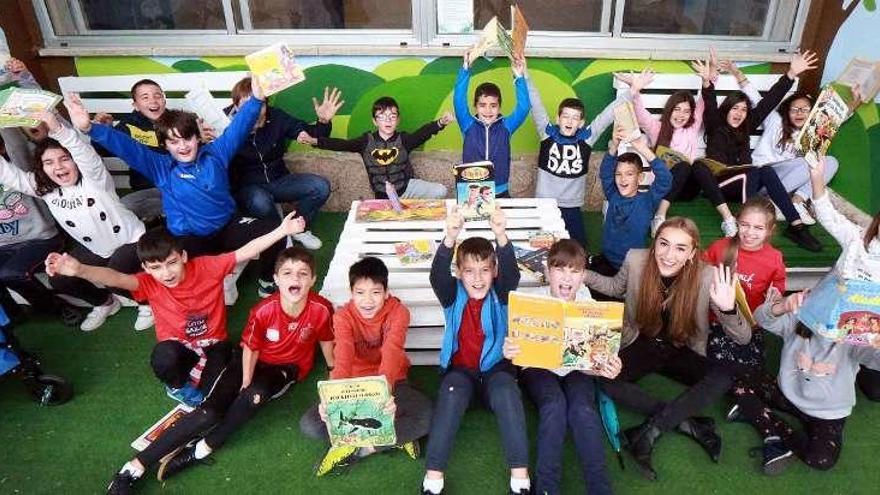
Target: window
768,26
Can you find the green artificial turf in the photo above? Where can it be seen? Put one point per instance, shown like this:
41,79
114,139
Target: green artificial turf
75,448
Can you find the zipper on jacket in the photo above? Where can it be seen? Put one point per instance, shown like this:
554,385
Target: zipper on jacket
263,163
486,127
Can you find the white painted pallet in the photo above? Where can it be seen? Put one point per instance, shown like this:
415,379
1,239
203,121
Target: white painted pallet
410,282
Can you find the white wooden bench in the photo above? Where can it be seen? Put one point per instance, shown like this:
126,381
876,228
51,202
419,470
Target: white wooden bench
410,282
112,94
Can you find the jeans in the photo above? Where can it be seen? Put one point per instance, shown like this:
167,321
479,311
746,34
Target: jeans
411,421
19,262
574,224
567,403
499,392
146,204
795,175
309,191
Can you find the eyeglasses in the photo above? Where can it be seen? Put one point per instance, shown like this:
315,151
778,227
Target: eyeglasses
386,117
799,110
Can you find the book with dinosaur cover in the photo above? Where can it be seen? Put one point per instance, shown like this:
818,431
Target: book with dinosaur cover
844,310
556,334
475,190
275,68
356,411
156,431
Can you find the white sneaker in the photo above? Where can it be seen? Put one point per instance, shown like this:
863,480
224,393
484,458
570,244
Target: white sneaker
98,315
780,217
144,318
804,213
308,240
729,227
655,224
230,290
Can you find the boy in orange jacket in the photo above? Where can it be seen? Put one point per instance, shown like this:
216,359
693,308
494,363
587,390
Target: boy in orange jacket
369,337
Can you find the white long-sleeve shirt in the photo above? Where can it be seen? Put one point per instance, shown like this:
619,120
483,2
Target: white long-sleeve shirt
855,262
90,210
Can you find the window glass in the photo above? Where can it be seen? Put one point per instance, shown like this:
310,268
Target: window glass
705,17
544,15
331,14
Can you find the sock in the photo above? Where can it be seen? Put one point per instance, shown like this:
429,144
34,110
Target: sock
432,486
519,484
135,472
202,449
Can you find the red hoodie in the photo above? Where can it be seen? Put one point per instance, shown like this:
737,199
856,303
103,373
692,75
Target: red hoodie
371,347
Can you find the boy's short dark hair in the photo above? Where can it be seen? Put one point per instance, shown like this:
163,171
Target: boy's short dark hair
143,82
574,104
487,89
630,157
369,268
295,253
477,248
484,189
185,123
567,253
157,245
385,103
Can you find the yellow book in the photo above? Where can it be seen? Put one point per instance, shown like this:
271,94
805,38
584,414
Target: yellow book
275,68
743,304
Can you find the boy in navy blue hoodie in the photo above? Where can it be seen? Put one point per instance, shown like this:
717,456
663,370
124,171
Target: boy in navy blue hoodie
193,178
475,309
628,220
487,133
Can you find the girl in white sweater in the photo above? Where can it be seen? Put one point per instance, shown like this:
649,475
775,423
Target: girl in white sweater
69,176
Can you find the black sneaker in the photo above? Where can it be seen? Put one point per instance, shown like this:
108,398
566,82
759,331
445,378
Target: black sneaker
524,491
176,462
121,484
801,236
776,456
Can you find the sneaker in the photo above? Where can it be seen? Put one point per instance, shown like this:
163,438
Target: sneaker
144,318
734,415
230,290
121,484
187,394
266,289
336,457
178,461
308,240
655,224
524,491
412,449
776,456
729,227
780,217
802,237
98,315
804,213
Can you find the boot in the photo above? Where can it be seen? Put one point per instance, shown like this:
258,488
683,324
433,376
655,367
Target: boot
640,443
702,429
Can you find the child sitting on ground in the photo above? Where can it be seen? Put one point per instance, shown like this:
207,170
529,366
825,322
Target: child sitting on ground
487,135
475,308
628,219
385,152
566,399
370,334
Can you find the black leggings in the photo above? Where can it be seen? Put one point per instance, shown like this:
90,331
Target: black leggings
172,361
123,260
740,184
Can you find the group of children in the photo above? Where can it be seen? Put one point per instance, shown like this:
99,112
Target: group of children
217,195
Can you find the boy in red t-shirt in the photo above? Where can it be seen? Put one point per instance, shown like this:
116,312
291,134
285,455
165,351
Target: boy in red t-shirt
370,335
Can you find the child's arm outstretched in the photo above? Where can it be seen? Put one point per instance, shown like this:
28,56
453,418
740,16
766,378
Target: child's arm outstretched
539,113
609,166
67,265
441,278
662,176
459,95
800,63
841,228
777,314
707,71
290,225
521,111
84,155
334,144
647,122
613,286
423,133
235,135
508,272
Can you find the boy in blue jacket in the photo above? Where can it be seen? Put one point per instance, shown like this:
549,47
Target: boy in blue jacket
475,308
487,133
628,220
193,179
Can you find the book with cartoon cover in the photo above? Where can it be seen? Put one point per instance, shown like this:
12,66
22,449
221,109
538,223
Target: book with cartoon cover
19,107
555,334
415,251
862,73
475,190
843,310
533,262
275,68
382,210
356,411
670,156
825,119
158,428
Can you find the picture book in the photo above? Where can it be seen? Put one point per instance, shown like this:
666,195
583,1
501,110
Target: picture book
156,431
555,334
475,190
541,239
862,73
513,43
844,310
203,104
532,262
415,251
275,68
19,107
382,210
822,124
743,304
625,119
356,412
488,38
519,32
670,156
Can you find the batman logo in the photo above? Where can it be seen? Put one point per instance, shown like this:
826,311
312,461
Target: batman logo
384,156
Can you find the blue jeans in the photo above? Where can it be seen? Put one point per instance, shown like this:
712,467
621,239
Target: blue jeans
566,403
309,191
499,392
18,264
574,224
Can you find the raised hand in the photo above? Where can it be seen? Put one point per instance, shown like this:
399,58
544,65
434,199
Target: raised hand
15,66
51,120
446,119
206,132
103,118
454,224
704,69
79,116
467,60
723,289
518,66
292,224
304,138
256,89
802,62
498,222
328,107
62,264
